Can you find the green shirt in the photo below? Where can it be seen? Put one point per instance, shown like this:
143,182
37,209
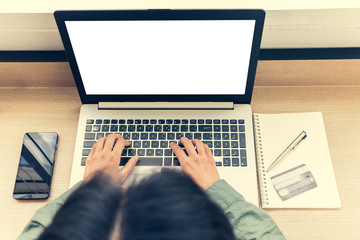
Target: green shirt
248,221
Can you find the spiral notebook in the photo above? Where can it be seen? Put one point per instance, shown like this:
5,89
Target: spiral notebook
304,178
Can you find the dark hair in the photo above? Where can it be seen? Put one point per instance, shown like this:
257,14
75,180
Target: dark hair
88,213
167,205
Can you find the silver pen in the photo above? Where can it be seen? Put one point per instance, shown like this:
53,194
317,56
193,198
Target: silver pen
292,145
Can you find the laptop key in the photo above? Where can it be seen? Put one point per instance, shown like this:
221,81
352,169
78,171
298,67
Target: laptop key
130,121
105,128
217,128
217,152
175,128
145,121
201,121
225,136
126,136
161,121
131,128
150,161
234,144
141,152
226,162
153,136
225,128
99,135
98,121
192,121
177,121
155,144
168,161
243,157
114,128
226,144
205,128
166,128
121,121
88,128
208,121
96,128
158,128
217,136
124,152
146,144
144,136
169,121
153,121
136,144
233,121
207,136
235,162
135,136
242,140
218,164
179,135
171,136
234,152
233,128
184,128
122,128
216,121
164,144
90,121
225,121
89,144
176,161
85,152
241,121
107,134
209,143
241,128
83,161
124,160
149,128
193,128
162,136
150,152
114,121
159,152
89,136
226,152
197,136
189,135
234,136
168,152
137,121
217,144
184,121
131,152
140,128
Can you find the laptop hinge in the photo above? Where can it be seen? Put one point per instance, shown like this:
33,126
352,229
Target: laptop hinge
166,105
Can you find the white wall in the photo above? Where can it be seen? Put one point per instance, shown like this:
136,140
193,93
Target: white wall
29,25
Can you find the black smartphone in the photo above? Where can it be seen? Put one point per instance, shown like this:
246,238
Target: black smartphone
36,166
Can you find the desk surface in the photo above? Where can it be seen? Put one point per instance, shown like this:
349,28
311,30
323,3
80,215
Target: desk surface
57,109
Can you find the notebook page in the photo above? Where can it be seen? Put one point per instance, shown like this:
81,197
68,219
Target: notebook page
277,131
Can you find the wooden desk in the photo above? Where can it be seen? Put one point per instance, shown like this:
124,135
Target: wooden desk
24,108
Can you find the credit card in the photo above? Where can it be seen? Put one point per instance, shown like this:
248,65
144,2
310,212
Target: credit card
293,182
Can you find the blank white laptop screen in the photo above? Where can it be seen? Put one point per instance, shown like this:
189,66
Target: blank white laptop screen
162,57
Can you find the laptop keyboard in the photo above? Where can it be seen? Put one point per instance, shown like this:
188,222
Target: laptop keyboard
150,139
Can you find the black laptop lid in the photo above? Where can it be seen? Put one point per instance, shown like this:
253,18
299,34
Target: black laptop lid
162,55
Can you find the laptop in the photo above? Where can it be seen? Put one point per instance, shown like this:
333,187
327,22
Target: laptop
157,75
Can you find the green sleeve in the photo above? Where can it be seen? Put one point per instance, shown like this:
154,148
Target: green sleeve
247,220
44,216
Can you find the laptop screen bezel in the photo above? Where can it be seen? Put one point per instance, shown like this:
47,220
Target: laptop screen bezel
143,15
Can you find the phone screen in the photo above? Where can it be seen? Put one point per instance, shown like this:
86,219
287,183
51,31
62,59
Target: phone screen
36,165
